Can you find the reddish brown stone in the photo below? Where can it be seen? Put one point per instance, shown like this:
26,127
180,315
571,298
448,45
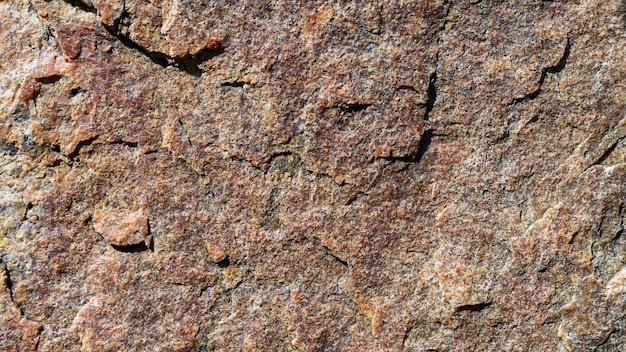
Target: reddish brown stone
313,175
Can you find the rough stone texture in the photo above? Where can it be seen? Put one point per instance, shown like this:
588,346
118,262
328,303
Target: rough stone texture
183,175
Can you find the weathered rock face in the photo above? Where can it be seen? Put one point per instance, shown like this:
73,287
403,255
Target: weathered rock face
305,176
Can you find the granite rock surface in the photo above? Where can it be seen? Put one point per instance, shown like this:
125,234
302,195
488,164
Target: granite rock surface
187,175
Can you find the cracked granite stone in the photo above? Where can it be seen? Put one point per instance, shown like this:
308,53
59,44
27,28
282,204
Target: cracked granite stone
180,175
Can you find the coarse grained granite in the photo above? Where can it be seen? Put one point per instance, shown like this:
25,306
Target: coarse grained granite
189,175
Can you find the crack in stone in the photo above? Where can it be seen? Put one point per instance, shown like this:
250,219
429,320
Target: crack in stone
429,105
134,248
235,84
432,91
406,334
544,74
431,98
80,145
189,63
478,307
432,80
416,157
350,108
87,142
182,126
9,286
330,253
606,153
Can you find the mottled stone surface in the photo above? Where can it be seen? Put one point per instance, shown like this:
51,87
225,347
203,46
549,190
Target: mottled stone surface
183,175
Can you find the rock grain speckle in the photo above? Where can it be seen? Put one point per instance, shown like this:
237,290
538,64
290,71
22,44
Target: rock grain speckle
183,175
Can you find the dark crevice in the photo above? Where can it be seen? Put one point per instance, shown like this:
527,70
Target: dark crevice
116,31
619,234
41,328
353,108
9,282
620,213
182,126
472,307
80,145
544,74
150,239
607,152
406,335
10,287
48,80
533,119
75,91
350,108
133,248
330,253
406,87
234,84
29,206
189,63
432,94
605,340
91,141
354,197
504,136
425,141
81,5
224,263
278,154
124,143
573,238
